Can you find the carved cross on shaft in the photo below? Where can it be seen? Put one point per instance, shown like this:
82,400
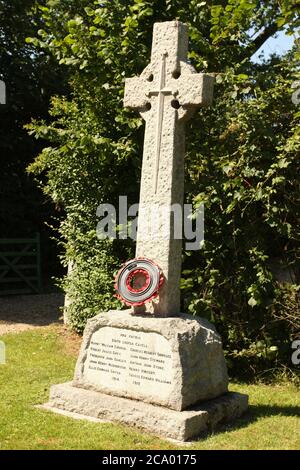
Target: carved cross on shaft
161,93
166,94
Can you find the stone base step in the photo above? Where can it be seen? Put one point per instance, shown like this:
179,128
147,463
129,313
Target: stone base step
179,425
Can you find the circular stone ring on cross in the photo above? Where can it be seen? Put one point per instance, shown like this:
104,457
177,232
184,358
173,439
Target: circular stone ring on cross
138,281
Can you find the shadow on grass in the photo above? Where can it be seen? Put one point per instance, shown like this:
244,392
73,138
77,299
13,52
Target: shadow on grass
253,413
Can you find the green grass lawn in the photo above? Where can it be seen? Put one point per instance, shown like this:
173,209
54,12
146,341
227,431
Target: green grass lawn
38,358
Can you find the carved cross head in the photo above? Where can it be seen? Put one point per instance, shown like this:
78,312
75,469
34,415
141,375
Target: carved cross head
169,74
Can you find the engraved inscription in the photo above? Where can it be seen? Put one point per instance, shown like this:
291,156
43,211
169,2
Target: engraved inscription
128,360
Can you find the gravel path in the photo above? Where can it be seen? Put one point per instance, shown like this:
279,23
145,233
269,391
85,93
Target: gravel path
25,312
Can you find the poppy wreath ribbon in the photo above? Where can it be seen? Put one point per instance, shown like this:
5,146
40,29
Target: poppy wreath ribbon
138,281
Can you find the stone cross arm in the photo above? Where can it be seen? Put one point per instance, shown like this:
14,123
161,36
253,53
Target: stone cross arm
191,90
169,73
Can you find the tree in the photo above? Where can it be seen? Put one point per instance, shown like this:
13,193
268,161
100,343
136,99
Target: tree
241,157
31,77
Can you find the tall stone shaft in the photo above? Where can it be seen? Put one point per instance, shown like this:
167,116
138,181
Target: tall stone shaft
166,94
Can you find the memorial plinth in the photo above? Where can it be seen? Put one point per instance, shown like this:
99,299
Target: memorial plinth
173,362
162,375
179,425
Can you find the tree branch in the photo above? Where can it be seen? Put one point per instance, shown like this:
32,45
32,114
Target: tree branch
260,40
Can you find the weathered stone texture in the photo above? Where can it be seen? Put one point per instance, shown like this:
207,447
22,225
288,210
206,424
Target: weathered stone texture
196,370
179,425
166,94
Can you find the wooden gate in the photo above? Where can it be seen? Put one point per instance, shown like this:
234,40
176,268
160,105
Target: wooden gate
20,265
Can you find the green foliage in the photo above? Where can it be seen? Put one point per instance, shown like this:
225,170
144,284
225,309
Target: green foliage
90,283
242,159
247,172
31,77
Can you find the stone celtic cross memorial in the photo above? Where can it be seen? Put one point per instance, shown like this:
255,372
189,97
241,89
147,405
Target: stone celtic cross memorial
166,94
152,366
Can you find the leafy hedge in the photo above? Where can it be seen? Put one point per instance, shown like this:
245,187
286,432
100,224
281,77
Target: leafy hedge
242,162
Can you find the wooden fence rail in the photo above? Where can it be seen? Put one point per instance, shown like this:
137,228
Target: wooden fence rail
20,265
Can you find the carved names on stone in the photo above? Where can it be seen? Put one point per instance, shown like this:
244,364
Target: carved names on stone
124,359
